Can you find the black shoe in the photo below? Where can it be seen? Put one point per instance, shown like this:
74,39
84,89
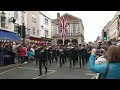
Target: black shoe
45,72
40,74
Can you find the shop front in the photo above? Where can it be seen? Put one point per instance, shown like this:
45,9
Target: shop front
40,41
46,41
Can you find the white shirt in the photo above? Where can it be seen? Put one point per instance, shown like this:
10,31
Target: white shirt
101,60
32,49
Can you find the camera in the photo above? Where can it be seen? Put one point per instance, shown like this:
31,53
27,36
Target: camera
99,51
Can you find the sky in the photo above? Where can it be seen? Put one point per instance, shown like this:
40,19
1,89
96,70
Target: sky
93,21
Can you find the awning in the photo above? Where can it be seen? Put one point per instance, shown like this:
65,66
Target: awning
6,35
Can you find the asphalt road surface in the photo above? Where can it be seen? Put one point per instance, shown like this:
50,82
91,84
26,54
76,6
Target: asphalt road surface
31,71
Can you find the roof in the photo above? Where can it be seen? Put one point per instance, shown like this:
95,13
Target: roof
70,16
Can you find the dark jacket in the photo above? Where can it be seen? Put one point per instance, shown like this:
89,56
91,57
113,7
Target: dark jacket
43,55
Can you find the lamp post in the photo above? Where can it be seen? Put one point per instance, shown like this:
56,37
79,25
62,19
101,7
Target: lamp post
23,31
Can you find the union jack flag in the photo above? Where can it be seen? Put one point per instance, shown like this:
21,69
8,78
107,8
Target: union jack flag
119,25
63,24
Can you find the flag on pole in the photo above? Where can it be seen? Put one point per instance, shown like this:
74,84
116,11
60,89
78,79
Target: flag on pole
63,23
119,25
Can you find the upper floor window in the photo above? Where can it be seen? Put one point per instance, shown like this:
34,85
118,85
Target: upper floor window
16,14
74,28
34,18
33,31
37,32
46,21
59,29
46,33
3,19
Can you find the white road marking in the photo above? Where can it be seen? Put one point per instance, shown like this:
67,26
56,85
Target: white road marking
28,68
90,74
94,77
33,68
45,74
8,71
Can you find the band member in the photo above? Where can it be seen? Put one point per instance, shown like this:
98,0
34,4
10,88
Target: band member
42,59
80,54
54,54
61,54
70,55
83,54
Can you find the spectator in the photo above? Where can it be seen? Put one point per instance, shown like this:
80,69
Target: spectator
30,56
102,58
22,54
109,43
113,66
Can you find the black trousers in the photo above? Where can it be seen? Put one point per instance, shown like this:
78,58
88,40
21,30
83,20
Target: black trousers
13,58
40,66
80,57
54,57
74,60
49,59
70,59
36,60
65,58
62,61
86,57
83,60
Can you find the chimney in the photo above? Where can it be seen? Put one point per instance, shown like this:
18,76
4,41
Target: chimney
58,15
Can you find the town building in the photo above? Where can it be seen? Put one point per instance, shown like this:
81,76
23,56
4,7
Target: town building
10,21
32,26
74,31
45,27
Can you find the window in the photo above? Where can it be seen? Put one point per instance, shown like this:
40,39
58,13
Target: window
33,31
74,28
46,33
33,18
59,29
16,14
46,21
15,29
3,21
37,32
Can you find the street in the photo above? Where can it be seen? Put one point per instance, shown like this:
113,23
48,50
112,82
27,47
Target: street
31,71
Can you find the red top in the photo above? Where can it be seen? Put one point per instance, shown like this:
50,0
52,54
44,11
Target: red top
22,51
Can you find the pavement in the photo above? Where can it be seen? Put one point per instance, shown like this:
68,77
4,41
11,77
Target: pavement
4,68
31,71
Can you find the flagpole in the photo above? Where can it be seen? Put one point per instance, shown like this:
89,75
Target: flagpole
63,40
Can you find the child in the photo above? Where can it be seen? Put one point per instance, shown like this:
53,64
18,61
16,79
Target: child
30,56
